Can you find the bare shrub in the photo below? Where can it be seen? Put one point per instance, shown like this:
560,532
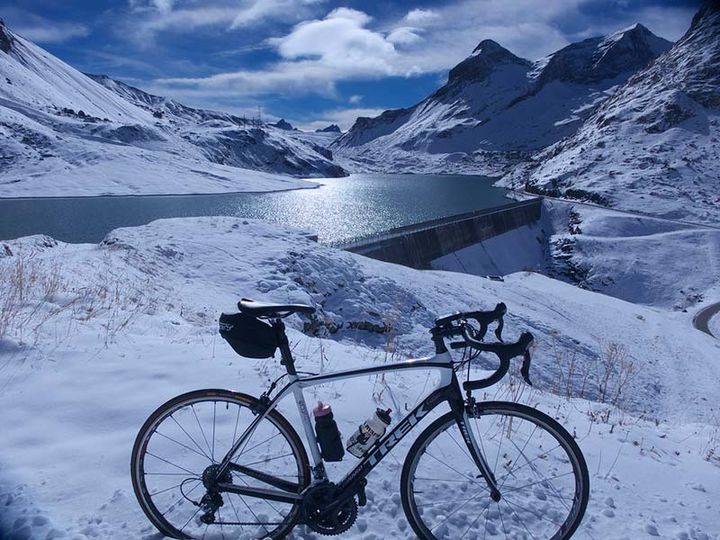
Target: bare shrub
31,294
605,380
711,450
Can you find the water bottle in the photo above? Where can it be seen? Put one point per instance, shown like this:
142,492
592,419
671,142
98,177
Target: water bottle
328,434
369,433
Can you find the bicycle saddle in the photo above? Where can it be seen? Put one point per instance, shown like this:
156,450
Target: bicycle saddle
267,309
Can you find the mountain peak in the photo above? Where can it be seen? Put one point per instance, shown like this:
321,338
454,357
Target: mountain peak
488,46
485,57
604,58
332,128
284,124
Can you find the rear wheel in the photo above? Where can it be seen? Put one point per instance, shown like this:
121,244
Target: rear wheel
176,456
540,472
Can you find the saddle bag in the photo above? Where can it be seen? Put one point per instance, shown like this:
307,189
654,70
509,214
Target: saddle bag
248,336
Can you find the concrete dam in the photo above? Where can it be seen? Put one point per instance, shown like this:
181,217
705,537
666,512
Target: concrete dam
498,240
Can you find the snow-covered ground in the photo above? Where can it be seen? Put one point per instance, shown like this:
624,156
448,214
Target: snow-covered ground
103,334
641,259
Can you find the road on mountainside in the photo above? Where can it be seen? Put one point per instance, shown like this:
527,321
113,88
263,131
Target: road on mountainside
701,321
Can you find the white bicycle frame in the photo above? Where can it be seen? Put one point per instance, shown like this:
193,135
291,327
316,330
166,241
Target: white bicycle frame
448,390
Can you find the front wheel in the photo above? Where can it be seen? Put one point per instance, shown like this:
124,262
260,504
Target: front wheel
540,472
175,466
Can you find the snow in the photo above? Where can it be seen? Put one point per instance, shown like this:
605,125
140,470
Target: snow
640,259
497,107
66,133
95,337
653,146
118,328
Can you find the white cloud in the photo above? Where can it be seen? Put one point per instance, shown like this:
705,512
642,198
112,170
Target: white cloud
404,35
152,17
420,17
347,44
314,56
53,32
341,43
355,98
261,10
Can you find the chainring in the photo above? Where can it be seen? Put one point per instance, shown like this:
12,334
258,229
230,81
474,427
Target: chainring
316,516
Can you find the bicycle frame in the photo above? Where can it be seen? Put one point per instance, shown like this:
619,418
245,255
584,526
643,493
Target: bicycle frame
448,390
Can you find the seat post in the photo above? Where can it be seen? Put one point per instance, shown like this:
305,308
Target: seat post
286,358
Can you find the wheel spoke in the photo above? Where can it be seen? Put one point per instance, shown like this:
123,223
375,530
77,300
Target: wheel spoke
473,480
212,452
202,431
172,496
171,463
519,518
523,509
189,437
539,456
180,444
246,450
268,459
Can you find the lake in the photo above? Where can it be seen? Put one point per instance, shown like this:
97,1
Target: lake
342,209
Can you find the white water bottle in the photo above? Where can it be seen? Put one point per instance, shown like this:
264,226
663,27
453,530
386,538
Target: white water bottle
369,433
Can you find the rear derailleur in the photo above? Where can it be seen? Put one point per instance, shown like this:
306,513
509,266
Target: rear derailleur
212,500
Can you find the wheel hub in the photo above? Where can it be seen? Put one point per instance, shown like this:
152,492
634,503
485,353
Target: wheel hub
211,476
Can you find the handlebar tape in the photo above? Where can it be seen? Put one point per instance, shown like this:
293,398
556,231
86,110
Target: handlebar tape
505,352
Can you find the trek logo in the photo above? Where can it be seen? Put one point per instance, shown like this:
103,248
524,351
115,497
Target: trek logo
399,432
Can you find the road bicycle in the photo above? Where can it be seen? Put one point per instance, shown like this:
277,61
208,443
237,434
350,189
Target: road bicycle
221,464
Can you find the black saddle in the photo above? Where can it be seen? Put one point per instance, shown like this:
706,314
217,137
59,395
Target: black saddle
266,309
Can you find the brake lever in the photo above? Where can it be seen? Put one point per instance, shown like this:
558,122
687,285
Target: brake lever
499,328
525,369
484,318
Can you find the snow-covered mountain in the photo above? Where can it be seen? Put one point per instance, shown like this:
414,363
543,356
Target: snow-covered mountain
654,146
63,132
332,128
495,101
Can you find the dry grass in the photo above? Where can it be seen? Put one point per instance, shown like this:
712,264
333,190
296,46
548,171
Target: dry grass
605,380
25,289
711,451
34,296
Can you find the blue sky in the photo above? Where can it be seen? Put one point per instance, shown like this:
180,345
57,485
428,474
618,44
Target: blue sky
313,61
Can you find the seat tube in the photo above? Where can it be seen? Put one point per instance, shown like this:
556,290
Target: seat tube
306,422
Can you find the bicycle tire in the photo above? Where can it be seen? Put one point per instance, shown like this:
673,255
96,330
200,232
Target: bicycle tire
541,421
165,411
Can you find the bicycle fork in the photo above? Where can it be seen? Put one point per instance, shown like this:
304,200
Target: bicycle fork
462,419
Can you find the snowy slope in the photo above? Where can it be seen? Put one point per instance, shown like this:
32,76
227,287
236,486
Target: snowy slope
76,387
654,146
496,102
64,132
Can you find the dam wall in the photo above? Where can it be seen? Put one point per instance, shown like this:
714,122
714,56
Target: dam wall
434,244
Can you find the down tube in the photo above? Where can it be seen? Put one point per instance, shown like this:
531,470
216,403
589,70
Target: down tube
388,442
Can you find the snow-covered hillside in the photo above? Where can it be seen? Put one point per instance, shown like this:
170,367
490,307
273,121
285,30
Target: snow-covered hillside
495,102
654,146
65,133
83,362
